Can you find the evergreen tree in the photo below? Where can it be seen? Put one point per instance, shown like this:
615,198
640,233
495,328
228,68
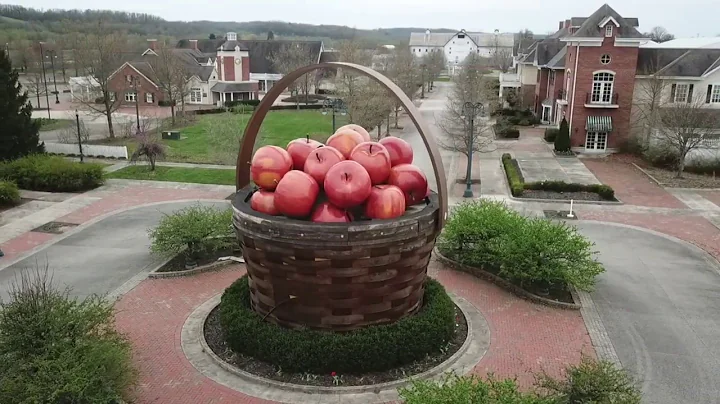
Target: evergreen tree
562,140
18,131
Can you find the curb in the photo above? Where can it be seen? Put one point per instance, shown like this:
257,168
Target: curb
210,365
653,179
581,202
155,274
520,292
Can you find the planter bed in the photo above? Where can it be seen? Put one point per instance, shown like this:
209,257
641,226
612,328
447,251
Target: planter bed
565,196
177,264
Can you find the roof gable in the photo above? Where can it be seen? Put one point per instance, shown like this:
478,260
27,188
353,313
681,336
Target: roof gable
591,27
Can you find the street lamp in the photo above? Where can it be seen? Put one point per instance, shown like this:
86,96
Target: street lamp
336,105
77,120
470,111
294,93
42,62
52,57
422,77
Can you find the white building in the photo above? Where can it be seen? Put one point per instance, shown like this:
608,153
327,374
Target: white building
457,46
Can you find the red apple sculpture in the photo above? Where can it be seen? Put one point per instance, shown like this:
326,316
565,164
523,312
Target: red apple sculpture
427,193
296,193
385,202
375,158
326,212
411,180
357,128
347,184
345,141
269,165
264,201
299,149
319,162
400,150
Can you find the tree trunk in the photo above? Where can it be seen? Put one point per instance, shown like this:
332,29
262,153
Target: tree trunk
680,166
152,163
396,118
387,126
108,114
172,112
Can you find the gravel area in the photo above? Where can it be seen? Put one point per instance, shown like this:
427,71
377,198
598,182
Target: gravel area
688,180
578,196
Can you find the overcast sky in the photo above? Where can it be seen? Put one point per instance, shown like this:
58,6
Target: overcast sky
683,18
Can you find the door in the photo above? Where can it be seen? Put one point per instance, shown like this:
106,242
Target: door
596,141
545,114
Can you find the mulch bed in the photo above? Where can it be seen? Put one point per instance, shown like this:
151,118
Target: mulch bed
578,196
215,338
688,180
178,263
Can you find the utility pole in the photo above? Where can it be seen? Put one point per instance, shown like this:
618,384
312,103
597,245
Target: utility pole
77,119
137,102
42,61
52,63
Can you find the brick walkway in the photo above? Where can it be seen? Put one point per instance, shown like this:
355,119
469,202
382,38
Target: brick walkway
525,337
712,196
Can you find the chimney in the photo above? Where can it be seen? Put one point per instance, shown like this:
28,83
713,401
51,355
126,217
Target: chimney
561,25
152,44
427,36
193,44
567,24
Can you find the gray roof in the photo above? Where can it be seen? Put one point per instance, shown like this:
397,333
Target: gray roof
578,21
145,68
233,87
558,61
547,50
261,51
231,45
677,62
479,38
590,28
329,56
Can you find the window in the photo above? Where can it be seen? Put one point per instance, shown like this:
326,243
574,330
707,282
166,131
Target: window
605,59
425,49
128,78
461,36
608,30
195,95
602,88
713,93
680,93
551,79
596,141
130,96
149,98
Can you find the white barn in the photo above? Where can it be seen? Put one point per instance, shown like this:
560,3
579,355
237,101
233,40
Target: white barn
457,46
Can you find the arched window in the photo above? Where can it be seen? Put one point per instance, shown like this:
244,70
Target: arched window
602,89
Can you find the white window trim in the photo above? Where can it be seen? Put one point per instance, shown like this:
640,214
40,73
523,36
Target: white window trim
603,85
195,91
149,98
685,94
608,60
715,94
608,31
597,136
130,96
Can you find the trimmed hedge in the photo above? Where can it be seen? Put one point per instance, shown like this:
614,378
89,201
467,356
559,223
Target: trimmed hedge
41,172
370,349
9,193
518,184
551,134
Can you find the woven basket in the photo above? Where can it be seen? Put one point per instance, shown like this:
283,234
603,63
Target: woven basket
336,276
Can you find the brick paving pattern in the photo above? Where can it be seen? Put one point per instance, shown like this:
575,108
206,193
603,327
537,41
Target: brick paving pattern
712,196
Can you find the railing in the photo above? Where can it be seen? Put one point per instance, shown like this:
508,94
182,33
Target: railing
509,77
601,100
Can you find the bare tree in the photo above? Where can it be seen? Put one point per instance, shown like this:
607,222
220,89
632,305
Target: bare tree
172,75
404,71
659,34
501,57
469,87
149,148
435,64
646,107
100,54
684,127
292,56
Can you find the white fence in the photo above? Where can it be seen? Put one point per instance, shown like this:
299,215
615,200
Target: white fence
92,150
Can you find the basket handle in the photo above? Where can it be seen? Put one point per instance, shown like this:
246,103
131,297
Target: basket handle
253,127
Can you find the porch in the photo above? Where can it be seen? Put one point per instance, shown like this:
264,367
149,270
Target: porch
224,92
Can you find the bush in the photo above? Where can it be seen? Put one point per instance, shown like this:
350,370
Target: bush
210,111
514,175
662,157
163,103
195,231
604,191
9,193
468,389
591,382
525,251
710,167
57,349
562,140
41,172
524,122
551,134
375,348
504,129
311,98
514,120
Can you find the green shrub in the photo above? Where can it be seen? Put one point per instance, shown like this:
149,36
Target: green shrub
9,193
472,389
195,231
591,382
41,172
514,120
562,140
514,175
604,191
662,157
369,349
551,134
56,349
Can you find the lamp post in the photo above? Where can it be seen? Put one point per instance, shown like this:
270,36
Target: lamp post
7,50
422,77
42,62
470,111
77,120
52,57
294,93
136,79
336,105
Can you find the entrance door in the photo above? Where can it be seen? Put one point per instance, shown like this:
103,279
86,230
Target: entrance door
545,114
596,141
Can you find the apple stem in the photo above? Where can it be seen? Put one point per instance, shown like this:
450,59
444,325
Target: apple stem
347,176
307,138
371,148
318,157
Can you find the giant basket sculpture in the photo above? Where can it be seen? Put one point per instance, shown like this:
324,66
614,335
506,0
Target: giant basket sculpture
336,276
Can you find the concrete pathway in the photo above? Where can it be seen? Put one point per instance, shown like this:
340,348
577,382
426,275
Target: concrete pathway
660,303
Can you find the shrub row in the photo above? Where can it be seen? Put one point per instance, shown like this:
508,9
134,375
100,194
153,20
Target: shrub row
41,172
9,193
369,349
251,103
311,98
589,382
518,185
505,131
525,251
551,134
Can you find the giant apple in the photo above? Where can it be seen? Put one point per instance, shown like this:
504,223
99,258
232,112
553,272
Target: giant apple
385,202
345,141
347,184
326,212
264,201
319,162
269,165
296,193
400,151
375,158
411,180
299,149
357,128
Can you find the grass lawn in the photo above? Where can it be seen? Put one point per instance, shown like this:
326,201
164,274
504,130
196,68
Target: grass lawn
211,134
52,124
176,174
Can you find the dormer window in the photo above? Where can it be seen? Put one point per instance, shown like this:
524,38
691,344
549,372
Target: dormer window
608,31
461,36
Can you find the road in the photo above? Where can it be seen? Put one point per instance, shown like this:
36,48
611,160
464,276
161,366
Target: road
660,303
101,257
